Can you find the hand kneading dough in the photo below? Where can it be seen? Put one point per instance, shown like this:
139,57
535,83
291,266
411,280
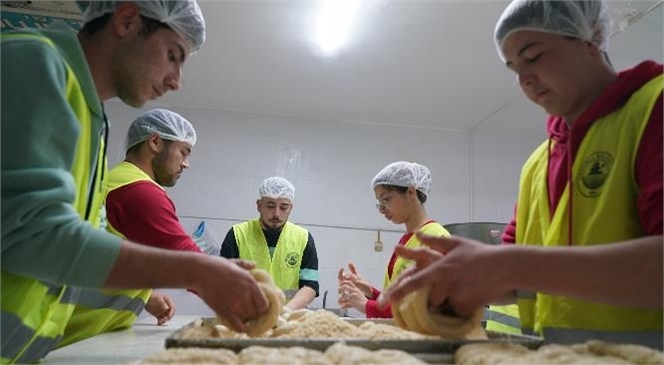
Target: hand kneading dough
276,298
412,313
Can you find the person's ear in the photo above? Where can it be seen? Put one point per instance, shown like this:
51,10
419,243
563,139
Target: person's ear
126,19
258,205
155,143
593,49
412,192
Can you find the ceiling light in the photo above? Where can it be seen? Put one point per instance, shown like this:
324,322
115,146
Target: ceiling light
335,25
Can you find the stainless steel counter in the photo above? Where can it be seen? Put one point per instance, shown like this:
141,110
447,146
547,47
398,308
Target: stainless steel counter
143,339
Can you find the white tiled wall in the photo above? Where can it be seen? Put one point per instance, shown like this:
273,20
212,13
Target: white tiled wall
331,164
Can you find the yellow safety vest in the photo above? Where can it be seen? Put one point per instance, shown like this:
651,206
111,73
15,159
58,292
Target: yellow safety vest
284,266
99,311
35,329
401,264
604,198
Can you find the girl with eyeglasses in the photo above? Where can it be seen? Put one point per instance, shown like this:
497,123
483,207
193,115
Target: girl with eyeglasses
401,189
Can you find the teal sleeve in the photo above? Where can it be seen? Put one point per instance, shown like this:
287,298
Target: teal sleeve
43,236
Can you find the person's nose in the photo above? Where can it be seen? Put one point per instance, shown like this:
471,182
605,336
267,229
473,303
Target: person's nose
173,79
526,78
185,163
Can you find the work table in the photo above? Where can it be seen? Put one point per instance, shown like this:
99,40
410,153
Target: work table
141,340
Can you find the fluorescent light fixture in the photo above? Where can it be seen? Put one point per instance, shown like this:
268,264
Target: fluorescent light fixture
336,22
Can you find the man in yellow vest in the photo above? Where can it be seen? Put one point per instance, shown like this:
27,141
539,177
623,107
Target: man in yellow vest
587,259
158,146
285,250
53,166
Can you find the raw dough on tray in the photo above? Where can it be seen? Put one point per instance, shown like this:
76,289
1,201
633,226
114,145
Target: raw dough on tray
412,313
591,353
337,354
275,297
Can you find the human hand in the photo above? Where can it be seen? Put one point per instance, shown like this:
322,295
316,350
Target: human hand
161,307
245,264
467,277
230,291
351,296
354,277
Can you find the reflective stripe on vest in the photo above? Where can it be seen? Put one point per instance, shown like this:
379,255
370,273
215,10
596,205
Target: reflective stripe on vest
401,263
111,299
284,266
503,318
604,197
14,344
32,330
67,294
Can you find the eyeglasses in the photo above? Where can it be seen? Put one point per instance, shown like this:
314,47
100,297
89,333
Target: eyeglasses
383,204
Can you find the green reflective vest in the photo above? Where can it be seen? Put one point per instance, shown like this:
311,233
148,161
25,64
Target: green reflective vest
284,266
603,200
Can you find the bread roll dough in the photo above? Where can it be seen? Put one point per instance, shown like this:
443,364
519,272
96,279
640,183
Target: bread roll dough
276,300
412,313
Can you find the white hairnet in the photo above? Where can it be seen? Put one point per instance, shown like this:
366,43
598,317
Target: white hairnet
183,16
585,20
277,187
403,173
164,123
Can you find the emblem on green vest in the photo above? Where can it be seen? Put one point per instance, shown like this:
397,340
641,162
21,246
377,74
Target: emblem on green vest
292,259
594,172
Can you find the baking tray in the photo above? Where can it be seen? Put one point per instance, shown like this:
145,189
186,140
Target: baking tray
435,351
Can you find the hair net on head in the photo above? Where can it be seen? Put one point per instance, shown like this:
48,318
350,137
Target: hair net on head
403,173
277,187
585,20
183,16
164,123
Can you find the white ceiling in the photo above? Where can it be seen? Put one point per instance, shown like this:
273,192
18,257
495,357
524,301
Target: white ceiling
416,63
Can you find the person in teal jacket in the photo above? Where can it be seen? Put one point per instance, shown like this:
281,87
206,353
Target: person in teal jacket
53,168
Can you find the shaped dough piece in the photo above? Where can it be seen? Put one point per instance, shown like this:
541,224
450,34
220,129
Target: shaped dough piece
260,355
413,314
633,353
276,299
489,353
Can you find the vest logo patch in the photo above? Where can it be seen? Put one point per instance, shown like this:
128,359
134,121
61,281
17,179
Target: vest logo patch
292,258
594,172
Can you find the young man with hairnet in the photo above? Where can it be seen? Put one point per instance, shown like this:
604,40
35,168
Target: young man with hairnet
283,249
158,146
587,263
54,135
